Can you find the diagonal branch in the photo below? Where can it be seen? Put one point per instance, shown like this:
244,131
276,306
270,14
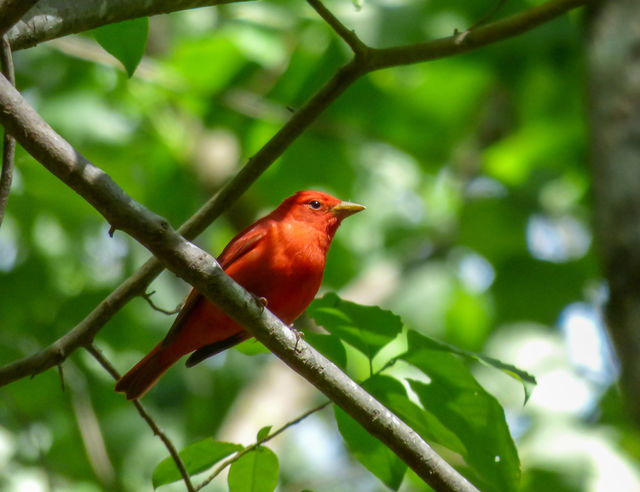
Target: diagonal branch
104,362
474,39
52,19
202,271
134,286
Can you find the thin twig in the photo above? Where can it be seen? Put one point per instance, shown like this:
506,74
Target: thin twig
461,36
9,144
147,297
349,36
61,374
104,362
248,449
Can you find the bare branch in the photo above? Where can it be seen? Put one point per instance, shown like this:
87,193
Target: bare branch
203,272
104,362
52,19
147,297
347,35
474,39
248,449
9,144
11,11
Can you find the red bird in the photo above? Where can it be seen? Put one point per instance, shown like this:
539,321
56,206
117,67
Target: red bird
281,258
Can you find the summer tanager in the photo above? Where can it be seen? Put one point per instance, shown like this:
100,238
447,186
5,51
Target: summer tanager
280,258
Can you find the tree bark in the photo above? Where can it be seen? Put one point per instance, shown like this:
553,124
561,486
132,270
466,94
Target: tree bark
614,104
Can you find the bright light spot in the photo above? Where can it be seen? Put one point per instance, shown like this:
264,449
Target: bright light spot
485,187
497,459
7,447
475,272
8,244
557,239
28,481
562,391
49,236
106,255
573,447
587,341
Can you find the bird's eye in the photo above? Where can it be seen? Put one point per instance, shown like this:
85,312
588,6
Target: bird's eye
315,204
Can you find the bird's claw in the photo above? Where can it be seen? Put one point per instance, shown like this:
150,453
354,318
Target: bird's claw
261,301
299,334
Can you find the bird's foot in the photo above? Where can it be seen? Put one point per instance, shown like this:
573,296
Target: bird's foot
299,334
261,301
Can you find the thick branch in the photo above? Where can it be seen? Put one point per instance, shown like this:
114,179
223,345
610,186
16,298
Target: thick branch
85,331
56,18
202,271
474,39
11,11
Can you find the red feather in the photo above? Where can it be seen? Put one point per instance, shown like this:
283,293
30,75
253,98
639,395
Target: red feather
281,257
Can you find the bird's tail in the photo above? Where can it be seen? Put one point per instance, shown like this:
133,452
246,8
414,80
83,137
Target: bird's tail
146,373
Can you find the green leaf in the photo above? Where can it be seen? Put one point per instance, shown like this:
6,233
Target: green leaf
125,40
264,432
256,471
252,347
197,457
330,346
393,395
375,456
456,399
423,342
367,328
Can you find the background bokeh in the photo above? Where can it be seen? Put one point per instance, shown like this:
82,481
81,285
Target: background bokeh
477,232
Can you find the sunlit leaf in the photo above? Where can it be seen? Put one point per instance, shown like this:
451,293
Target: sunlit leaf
374,455
330,346
264,432
423,342
456,399
367,328
125,40
197,457
256,471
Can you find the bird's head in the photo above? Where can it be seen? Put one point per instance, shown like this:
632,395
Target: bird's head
318,208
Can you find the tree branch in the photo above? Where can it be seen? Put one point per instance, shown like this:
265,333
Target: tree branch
11,11
86,330
104,362
9,144
474,39
135,285
347,35
52,19
248,449
203,272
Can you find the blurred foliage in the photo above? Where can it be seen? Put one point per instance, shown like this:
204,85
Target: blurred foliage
477,232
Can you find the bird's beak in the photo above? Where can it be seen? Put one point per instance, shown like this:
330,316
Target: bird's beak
344,209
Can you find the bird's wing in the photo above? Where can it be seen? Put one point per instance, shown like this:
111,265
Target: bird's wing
244,242
215,348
